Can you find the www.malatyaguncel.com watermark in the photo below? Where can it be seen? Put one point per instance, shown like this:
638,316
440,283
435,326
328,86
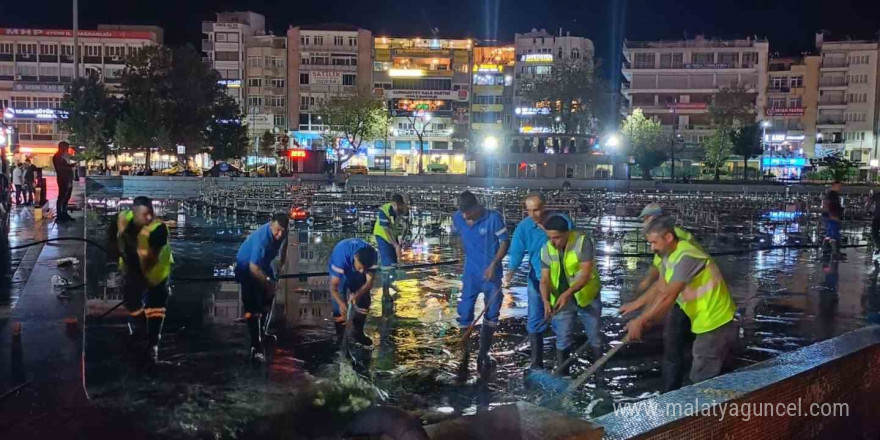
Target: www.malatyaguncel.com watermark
721,410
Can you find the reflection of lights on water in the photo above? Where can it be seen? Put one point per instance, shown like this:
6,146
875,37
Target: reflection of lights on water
446,409
608,249
782,215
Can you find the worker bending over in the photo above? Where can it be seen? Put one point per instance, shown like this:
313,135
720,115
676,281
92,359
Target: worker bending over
352,267
387,231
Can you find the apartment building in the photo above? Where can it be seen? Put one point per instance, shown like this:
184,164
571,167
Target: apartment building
674,81
847,120
266,85
427,86
225,48
35,65
492,102
789,120
324,60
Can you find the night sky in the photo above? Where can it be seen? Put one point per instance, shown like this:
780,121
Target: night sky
789,24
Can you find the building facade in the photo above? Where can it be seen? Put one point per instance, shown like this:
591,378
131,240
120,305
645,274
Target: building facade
35,65
266,85
427,87
847,120
675,81
324,61
224,48
789,120
492,101
536,129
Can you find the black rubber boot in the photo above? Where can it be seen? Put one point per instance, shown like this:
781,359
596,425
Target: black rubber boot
537,343
484,362
561,357
253,324
359,320
154,334
340,332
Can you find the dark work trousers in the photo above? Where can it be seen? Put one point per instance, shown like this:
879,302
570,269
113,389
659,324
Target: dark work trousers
875,233
19,191
256,302
65,190
677,340
141,299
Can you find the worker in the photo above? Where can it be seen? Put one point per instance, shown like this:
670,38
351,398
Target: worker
570,287
677,327
832,212
530,237
255,274
388,238
873,205
694,281
352,268
64,178
484,240
145,259
18,183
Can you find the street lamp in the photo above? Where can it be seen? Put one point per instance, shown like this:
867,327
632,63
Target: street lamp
613,141
764,126
490,143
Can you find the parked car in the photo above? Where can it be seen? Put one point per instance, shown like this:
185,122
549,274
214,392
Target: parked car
357,170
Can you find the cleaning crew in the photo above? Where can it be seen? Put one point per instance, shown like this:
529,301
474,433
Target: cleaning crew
570,286
352,268
484,240
255,274
388,239
145,260
832,212
694,281
530,237
677,327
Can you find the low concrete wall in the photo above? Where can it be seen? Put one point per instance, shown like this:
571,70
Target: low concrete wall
845,369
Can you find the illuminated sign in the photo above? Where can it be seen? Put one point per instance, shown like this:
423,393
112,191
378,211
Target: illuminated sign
537,58
32,113
143,35
531,111
325,78
296,154
785,111
37,87
421,105
689,106
230,83
795,138
487,68
528,129
774,138
450,95
784,162
405,73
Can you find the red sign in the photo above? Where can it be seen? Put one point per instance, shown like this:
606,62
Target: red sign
689,106
140,35
296,154
785,111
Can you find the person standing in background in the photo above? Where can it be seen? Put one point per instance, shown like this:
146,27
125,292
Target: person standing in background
29,181
64,178
832,213
18,182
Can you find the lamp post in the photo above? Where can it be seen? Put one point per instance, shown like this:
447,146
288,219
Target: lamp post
672,144
764,125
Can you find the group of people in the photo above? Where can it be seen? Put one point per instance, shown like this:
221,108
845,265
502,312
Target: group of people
684,289
24,181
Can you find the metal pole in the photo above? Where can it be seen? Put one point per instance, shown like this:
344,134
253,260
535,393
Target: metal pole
75,40
763,150
672,147
385,146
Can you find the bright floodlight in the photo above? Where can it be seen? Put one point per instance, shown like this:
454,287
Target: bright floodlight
490,143
766,124
613,141
427,117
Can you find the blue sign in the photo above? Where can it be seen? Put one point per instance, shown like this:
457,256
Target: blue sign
798,162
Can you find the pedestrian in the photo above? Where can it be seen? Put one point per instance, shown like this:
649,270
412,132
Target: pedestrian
352,268
145,259
832,212
484,240
570,288
30,171
255,274
694,281
530,237
18,182
387,231
677,333
873,204
64,178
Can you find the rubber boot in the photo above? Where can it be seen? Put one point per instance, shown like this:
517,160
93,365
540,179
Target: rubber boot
597,354
537,343
359,320
340,332
484,362
264,330
561,357
253,324
154,334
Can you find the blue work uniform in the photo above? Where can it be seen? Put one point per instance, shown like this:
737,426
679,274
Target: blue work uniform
259,248
481,242
530,238
341,265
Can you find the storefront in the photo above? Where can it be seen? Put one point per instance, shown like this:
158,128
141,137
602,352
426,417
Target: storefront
784,168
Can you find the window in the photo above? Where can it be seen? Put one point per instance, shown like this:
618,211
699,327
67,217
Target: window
5,48
5,70
421,84
352,41
349,79
255,101
303,78
93,51
115,51
777,102
559,55
27,49
255,82
220,36
728,58
794,102
279,120
255,62
67,49
306,102
320,60
796,81
778,82
278,82
337,40
319,41
749,59
48,49
643,61
49,70
276,62
542,70
304,40
704,57
229,56
277,101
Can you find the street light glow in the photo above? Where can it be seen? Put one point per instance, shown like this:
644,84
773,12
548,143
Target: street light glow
490,143
766,124
613,141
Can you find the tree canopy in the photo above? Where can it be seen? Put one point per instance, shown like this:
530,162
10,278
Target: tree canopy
570,91
90,117
353,118
643,138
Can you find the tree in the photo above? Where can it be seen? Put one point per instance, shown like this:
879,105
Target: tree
146,111
746,142
267,143
643,138
716,150
194,90
839,167
354,118
226,134
90,117
570,91
732,107
420,126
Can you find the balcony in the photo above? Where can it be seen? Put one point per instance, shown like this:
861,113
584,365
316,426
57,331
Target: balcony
833,82
207,45
832,101
114,60
834,63
783,89
831,121
48,58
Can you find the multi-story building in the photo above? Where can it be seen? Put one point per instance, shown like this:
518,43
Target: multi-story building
324,60
675,81
266,85
789,120
537,129
491,103
224,47
427,84
35,64
848,98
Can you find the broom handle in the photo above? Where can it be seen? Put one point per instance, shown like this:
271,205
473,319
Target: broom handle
586,374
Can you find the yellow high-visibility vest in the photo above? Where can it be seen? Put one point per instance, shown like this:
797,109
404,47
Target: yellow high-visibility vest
159,271
706,299
572,267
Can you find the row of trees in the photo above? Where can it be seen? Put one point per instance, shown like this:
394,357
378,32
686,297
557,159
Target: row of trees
732,113
165,98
